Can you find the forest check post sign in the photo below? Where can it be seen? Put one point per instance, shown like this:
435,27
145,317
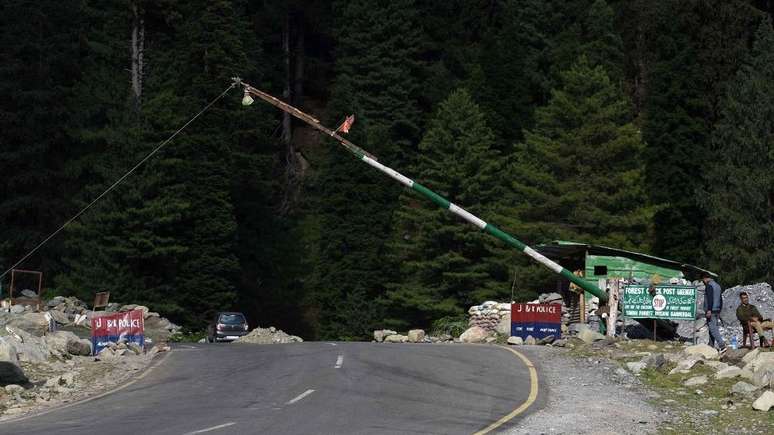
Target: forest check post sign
676,302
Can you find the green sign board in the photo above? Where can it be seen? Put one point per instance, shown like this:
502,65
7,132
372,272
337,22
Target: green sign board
675,302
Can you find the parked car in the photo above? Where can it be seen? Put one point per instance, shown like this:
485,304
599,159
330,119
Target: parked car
227,326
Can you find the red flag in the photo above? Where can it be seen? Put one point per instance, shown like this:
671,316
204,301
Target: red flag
347,124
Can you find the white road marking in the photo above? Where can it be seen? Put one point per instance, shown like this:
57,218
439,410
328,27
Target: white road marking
339,361
300,396
332,344
220,426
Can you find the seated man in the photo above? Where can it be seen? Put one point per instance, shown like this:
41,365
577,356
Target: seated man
747,312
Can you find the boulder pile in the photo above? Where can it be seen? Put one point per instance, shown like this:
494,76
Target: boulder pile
270,335
412,336
761,295
60,332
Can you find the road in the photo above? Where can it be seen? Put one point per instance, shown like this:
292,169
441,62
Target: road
306,388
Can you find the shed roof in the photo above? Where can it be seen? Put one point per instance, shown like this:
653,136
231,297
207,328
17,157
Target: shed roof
561,249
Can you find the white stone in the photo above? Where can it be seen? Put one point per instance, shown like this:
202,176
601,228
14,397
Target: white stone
743,388
716,365
589,336
379,335
395,338
686,364
636,367
728,372
516,341
708,352
696,380
764,402
416,336
475,334
751,355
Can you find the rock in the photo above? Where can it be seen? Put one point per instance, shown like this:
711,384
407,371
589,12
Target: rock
764,377
734,356
29,348
27,293
18,309
475,334
530,340
589,336
747,374
763,360
14,388
445,337
379,335
764,402
504,325
704,350
490,339
636,367
57,341
654,361
11,373
715,365
751,355
389,332
416,336
59,317
728,372
134,347
80,347
546,340
515,341
34,323
686,364
8,351
695,381
743,388
395,338
560,343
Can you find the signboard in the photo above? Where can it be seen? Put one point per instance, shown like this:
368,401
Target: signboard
675,302
128,326
537,320
101,299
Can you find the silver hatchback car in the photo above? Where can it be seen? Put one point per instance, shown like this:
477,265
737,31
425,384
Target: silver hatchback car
227,326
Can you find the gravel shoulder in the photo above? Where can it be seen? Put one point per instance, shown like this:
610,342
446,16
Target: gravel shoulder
54,384
587,396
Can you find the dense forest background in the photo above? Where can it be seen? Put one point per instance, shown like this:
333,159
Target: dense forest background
639,124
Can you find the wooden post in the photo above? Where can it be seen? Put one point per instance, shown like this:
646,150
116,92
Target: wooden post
654,329
612,315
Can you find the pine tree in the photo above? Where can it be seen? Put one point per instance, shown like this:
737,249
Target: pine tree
440,263
739,201
376,62
693,49
39,48
578,174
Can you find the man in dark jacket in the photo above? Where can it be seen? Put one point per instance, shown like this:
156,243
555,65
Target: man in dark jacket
748,312
713,304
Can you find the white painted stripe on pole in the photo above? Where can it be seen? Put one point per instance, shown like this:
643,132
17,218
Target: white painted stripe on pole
339,361
459,211
210,429
543,260
300,396
389,171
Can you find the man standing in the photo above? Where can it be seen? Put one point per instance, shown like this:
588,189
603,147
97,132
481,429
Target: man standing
713,304
748,312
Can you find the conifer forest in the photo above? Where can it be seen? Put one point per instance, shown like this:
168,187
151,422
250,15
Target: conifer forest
638,124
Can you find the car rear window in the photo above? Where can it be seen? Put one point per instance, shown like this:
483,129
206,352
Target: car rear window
232,319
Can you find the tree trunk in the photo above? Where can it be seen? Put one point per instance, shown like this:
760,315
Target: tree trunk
286,124
138,47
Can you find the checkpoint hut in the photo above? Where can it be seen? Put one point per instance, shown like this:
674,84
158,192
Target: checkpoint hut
599,264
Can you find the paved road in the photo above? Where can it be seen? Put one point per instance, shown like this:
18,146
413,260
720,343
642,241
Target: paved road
307,388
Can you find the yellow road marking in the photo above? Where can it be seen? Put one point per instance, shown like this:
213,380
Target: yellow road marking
533,393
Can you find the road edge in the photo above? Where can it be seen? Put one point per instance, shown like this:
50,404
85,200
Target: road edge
140,376
533,394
